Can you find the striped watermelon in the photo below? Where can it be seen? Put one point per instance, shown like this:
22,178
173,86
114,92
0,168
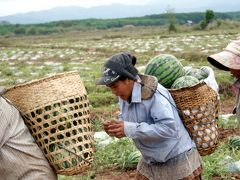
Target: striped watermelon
234,142
166,68
196,72
184,81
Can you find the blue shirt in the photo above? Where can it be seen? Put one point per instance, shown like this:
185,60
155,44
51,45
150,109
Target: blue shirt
154,125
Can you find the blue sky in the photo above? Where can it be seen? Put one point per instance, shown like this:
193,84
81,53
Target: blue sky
8,7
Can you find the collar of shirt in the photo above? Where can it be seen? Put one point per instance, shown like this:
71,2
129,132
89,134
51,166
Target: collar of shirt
136,93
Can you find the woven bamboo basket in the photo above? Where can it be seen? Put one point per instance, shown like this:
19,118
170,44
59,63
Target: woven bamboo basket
199,106
56,111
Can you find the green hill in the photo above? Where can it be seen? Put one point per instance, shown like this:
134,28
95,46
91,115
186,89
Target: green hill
73,25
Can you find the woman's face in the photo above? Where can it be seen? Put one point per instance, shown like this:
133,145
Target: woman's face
122,88
235,73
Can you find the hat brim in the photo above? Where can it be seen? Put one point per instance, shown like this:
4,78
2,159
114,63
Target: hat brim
225,60
106,80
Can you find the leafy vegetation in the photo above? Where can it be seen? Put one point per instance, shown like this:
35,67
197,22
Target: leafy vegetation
169,17
209,15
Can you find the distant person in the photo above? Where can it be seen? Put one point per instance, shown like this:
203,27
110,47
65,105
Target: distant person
20,156
149,117
229,60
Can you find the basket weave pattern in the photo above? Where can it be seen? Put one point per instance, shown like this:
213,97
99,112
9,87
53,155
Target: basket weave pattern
199,106
56,111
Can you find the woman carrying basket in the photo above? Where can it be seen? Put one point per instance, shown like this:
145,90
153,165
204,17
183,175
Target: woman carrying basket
148,116
229,60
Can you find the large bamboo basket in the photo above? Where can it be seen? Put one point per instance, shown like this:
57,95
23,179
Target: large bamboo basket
56,111
199,106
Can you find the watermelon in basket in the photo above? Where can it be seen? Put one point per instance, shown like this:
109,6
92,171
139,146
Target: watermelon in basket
56,111
198,73
198,107
166,68
196,102
184,81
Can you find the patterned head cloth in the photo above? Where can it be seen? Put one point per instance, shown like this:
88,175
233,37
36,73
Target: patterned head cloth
229,58
121,64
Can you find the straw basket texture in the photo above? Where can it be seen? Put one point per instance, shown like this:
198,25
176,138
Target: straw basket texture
199,106
56,111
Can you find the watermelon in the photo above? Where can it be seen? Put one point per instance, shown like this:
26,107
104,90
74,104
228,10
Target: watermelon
195,72
234,142
184,81
166,68
132,159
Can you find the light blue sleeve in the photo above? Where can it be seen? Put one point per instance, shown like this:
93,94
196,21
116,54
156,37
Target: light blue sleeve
164,126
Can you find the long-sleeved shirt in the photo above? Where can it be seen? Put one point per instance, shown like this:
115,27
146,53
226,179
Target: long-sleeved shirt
20,157
154,125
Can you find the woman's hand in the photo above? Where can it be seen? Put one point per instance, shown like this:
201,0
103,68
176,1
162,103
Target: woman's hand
114,128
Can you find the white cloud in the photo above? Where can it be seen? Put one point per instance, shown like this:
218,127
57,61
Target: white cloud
8,7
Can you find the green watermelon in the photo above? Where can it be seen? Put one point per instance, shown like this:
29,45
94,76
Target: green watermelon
132,159
166,68
184,81
234,142
195,72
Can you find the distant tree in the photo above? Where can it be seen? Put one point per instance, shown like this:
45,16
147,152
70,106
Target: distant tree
20,31
171,19
209,15
32,31
203,24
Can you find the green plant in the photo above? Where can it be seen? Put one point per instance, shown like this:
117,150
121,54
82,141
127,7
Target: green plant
203,24
209,15
171,20
228,122
115,154
100,99
20,31
212,163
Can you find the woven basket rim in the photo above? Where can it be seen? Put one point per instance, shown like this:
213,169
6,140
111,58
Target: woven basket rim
201,83
44,79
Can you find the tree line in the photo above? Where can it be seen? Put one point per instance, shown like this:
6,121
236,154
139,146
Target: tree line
202,19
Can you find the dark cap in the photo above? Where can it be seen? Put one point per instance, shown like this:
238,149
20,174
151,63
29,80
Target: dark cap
229,58
118,65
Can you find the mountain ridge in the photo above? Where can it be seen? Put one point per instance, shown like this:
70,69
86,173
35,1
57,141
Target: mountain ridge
116,11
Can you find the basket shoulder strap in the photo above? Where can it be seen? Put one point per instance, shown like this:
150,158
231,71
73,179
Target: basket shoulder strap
149,87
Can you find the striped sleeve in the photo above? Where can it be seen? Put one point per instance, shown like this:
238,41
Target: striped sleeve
4,123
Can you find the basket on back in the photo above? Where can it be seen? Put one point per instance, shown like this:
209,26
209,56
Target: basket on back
56,111
198,107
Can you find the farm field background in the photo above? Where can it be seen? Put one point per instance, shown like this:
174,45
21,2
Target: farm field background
25,58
